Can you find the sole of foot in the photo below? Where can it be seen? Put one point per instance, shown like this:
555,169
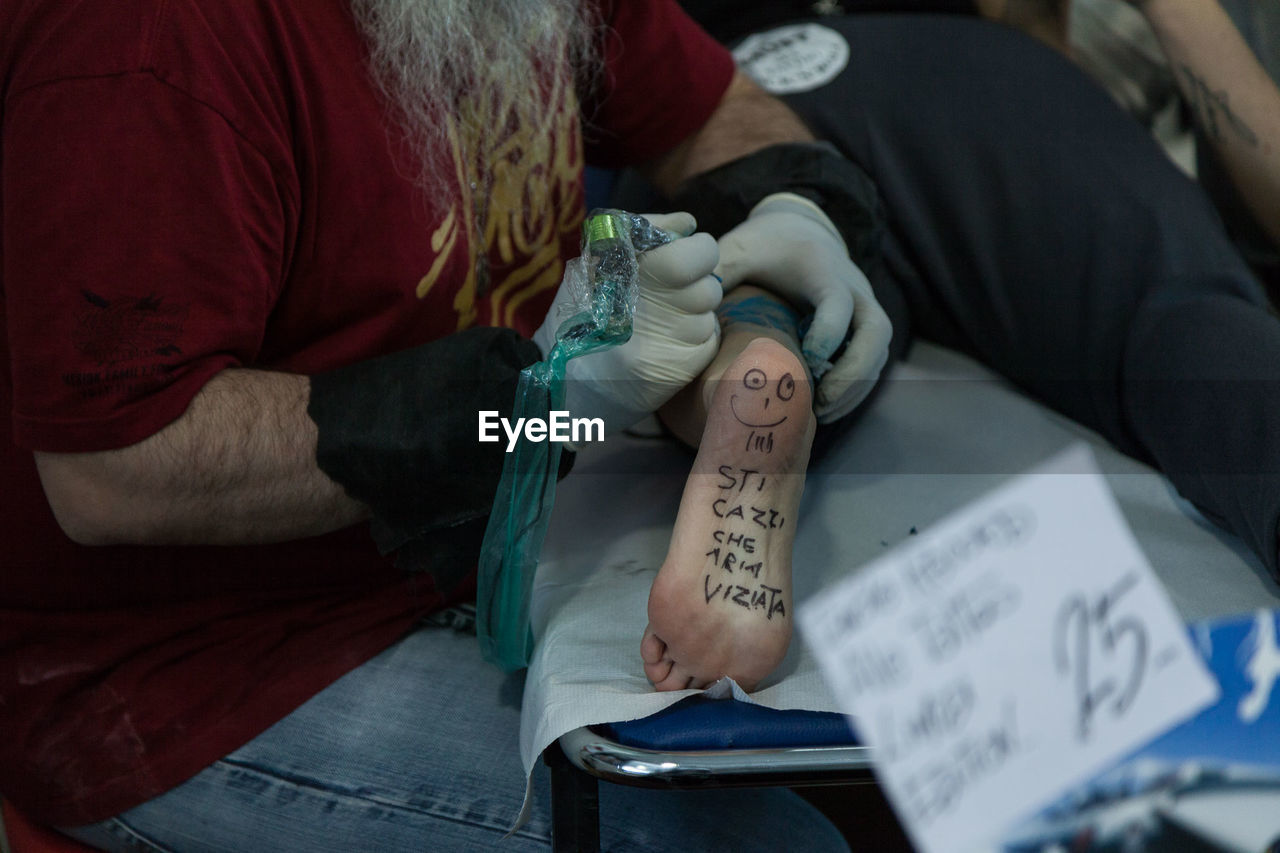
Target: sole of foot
721,604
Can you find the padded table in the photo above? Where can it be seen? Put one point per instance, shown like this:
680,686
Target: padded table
942,431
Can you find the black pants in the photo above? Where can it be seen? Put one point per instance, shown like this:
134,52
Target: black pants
1038,228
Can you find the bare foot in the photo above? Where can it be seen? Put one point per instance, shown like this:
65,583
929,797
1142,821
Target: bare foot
721,604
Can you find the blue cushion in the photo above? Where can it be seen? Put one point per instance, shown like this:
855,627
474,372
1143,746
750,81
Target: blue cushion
700,723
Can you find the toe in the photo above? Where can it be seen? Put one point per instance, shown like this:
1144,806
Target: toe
677,679
652,649
659,673
653,653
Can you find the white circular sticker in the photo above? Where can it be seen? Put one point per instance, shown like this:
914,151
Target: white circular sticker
796,58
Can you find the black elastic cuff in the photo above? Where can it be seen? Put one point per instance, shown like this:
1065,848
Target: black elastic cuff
722,197
399,433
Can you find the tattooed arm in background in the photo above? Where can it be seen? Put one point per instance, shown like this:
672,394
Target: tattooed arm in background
1235,102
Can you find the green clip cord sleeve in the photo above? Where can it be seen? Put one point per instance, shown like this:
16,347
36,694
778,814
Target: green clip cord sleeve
526,492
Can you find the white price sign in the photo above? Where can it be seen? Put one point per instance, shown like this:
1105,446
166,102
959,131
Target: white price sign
1012,650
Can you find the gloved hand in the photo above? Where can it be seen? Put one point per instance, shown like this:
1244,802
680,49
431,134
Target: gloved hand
674,337
788,245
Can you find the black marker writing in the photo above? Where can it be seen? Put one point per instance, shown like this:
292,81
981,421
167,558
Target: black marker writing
936,565
1081,627
767,599
963,616
758,441
766,518
731,478
872,667
748,543
938,714
939,786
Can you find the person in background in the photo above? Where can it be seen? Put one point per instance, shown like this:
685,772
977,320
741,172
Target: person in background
1050,237
1222,57
1225,58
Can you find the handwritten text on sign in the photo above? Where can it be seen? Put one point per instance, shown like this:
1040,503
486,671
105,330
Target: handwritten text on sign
1015,648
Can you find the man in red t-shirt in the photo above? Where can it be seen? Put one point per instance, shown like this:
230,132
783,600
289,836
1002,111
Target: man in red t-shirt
263,263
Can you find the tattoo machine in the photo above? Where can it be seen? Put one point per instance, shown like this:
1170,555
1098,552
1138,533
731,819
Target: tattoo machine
603,281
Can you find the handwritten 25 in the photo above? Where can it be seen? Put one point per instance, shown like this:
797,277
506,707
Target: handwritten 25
1104,650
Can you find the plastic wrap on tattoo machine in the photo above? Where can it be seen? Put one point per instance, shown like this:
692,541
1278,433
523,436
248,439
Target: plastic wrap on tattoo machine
603,285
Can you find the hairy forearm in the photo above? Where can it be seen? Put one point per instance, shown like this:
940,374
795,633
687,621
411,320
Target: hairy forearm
238,467
1235,102
746,120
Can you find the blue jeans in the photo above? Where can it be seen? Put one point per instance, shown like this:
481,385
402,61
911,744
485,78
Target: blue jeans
417,750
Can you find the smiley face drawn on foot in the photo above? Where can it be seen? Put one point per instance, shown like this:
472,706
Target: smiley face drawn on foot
756,404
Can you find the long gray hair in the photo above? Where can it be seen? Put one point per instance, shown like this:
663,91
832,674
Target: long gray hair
464,72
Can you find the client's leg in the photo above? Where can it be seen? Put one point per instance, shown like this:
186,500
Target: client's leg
721,604
1052,239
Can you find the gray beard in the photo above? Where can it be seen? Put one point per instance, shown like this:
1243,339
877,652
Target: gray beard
460,74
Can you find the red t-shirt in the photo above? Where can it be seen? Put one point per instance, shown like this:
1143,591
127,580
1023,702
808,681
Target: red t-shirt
189,187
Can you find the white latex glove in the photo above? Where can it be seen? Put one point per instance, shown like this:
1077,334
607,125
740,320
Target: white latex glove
789,246
674,336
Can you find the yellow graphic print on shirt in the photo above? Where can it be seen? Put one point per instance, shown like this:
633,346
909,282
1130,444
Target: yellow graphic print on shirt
534,172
